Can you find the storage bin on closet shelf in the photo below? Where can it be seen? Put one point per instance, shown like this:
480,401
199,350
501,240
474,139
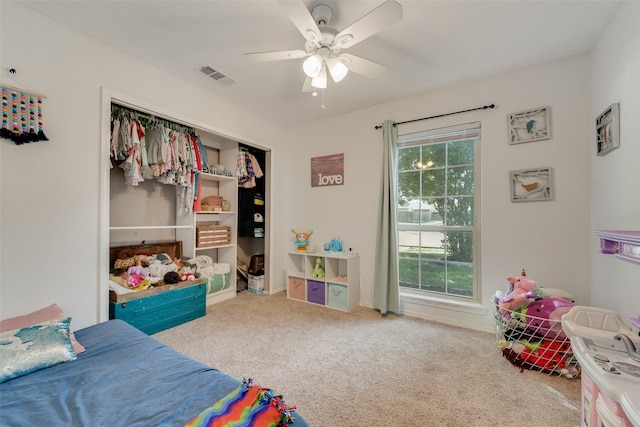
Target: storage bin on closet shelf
217,276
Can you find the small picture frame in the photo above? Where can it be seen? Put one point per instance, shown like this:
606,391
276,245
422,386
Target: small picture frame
608,130
529,125
531,185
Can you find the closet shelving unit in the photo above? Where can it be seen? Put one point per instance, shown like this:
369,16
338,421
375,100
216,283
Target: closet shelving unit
225,187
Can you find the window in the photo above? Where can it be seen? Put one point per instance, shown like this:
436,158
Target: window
438,231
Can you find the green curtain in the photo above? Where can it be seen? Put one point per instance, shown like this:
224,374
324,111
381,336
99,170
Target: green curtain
385,288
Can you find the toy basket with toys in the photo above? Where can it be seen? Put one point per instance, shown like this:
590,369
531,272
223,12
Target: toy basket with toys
530,335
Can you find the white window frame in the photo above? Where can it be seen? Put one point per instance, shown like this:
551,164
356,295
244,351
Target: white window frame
440,135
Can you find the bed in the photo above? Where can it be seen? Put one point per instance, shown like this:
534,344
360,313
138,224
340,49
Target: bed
124,378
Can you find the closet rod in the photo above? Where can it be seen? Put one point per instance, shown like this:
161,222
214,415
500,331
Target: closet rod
151,227
440,115
151,117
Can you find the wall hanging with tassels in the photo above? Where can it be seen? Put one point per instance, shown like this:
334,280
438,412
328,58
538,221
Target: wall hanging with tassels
26,115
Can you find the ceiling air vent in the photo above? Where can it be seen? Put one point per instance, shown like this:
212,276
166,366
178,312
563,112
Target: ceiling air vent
217,75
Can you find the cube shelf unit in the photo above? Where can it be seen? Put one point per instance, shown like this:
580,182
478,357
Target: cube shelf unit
338,289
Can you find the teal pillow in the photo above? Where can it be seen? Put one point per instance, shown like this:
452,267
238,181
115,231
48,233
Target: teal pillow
29,349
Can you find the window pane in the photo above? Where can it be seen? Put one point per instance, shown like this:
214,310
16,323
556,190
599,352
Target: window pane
408,253
409,185
407,158
460,211
460,181
459,246
460,152
460,279
433,156
408,274
433,181
437,216
433,276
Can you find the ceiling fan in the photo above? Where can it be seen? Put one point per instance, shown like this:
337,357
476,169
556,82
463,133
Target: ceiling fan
323,43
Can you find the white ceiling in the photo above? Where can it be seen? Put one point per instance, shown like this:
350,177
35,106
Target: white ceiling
437,43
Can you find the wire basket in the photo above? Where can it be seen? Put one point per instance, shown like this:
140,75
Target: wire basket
535,343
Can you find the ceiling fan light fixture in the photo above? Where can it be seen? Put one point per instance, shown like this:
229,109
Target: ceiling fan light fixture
337,69
313,65
320,81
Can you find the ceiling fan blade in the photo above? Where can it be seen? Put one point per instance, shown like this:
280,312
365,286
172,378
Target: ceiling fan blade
306,87
276,56
302,19
378,19
362,66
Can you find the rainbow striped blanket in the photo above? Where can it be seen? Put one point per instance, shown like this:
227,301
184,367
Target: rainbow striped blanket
247,406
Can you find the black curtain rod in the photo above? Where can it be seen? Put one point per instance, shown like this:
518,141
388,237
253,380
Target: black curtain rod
441,115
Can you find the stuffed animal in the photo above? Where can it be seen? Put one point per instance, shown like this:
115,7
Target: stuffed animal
544,317
549,355
521,292
553,292
334,245
318,271
301,239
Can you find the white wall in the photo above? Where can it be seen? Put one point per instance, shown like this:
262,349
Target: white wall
549,239
615,194
50,191
50,200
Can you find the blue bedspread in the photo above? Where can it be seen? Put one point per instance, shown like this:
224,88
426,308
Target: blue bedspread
125,378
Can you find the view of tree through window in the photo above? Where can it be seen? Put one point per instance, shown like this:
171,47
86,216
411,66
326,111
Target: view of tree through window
436,214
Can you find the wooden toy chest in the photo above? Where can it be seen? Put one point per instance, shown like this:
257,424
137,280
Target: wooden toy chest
158,308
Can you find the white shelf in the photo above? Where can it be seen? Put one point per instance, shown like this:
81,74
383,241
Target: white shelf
150,227
624,245
216,177
214,247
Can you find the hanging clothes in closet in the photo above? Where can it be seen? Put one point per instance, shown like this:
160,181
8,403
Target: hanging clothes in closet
250,195
149,148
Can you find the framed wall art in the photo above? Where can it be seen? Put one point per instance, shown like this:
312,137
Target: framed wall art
530,125
531,185
608,130
327,170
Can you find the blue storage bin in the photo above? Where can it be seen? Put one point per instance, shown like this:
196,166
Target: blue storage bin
337,296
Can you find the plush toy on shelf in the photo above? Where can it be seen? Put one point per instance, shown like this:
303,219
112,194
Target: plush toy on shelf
521,292
318,271
301,239
334,245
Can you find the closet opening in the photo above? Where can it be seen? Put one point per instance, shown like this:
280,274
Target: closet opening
253,219
153,211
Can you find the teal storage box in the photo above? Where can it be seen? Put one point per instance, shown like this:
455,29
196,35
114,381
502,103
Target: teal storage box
337,297
157,309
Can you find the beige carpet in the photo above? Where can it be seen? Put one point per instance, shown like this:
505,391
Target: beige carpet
362,369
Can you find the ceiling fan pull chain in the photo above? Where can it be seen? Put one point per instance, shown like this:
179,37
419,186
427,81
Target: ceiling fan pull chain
323,106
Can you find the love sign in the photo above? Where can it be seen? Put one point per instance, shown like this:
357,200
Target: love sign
327,170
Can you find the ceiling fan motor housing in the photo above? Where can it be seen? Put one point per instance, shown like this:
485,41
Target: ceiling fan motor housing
321,14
